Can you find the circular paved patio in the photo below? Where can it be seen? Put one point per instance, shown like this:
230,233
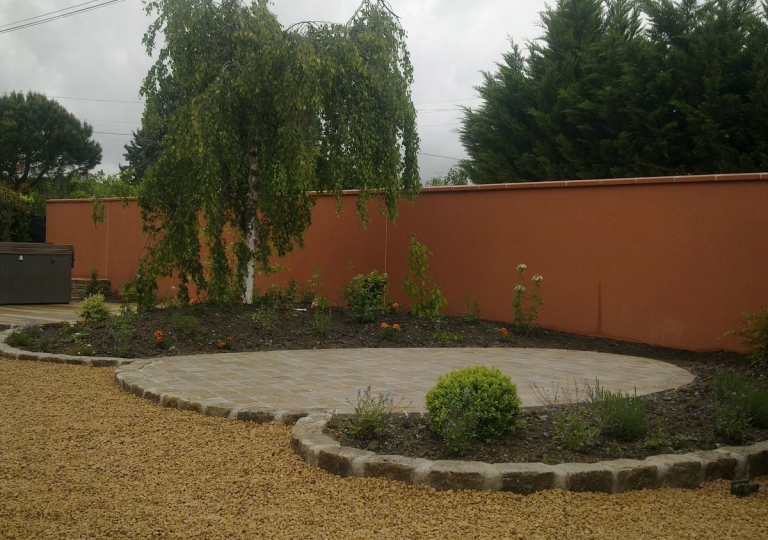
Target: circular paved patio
330,379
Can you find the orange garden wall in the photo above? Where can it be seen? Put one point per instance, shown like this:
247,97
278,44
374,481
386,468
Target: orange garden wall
669,261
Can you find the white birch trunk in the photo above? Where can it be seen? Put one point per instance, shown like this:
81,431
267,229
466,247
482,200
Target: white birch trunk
251,230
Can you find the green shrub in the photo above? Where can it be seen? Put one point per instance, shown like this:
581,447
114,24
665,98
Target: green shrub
93,309
444,336
526,311
15,215
280,295
121,329
486,397
573,429
141,289
621,416
428,300
187,323
755,336
322,321
731,418
471,310
93,286
24,336
371,413
737,404
460,424
267,319
364,296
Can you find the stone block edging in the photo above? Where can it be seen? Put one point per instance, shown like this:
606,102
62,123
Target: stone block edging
6,351
130,378
616,476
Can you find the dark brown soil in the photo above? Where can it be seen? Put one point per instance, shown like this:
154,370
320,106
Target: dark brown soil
679,420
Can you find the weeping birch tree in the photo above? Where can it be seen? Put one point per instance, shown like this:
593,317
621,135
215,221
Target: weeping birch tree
255,116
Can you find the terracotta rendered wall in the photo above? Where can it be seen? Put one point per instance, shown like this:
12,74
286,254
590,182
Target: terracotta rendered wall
112,247
666,261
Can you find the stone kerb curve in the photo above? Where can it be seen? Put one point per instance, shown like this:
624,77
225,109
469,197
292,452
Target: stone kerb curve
315,447
131,379
668,470
6,351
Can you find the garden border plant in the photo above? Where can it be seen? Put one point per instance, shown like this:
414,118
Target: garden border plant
428,301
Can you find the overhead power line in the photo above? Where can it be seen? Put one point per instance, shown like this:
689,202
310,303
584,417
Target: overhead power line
55,15
446,101
440,125
51,13
87,99
443,157
96,99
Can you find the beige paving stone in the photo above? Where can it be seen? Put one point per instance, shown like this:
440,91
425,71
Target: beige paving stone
331,378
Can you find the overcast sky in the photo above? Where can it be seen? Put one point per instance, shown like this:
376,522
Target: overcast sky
97,55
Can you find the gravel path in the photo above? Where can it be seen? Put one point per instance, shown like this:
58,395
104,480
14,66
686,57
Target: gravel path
81,459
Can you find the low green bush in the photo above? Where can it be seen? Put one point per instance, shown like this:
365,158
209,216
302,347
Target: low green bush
93,309
322,321
93,286
24,336
141,289
371,413
754,336
473,403
620,415
364,296
738,404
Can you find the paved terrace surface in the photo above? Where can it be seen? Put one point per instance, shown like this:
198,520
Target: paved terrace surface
329,379
42,313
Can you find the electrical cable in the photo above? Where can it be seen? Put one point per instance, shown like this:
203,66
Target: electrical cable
86,99
435,155
46,14
57,17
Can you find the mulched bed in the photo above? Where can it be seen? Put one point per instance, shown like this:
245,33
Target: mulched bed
680,420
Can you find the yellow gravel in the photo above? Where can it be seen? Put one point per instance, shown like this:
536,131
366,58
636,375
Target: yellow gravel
79,458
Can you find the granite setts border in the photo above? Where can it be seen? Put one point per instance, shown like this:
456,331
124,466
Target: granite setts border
686,471
130,379
6,351
310,442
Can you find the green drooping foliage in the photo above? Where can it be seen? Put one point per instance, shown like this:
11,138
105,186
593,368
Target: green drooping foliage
253,116
40,140
624,88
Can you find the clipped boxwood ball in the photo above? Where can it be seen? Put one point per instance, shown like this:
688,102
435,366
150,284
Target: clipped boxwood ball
486,393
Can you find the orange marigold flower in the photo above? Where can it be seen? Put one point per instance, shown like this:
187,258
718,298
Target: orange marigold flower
220,344
229,339
159,336
384,326
395,305
396,326
503,332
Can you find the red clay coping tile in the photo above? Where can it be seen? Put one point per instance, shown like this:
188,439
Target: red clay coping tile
734,177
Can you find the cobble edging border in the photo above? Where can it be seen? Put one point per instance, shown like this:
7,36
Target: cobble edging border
130,379
315,447
686,471
6,351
